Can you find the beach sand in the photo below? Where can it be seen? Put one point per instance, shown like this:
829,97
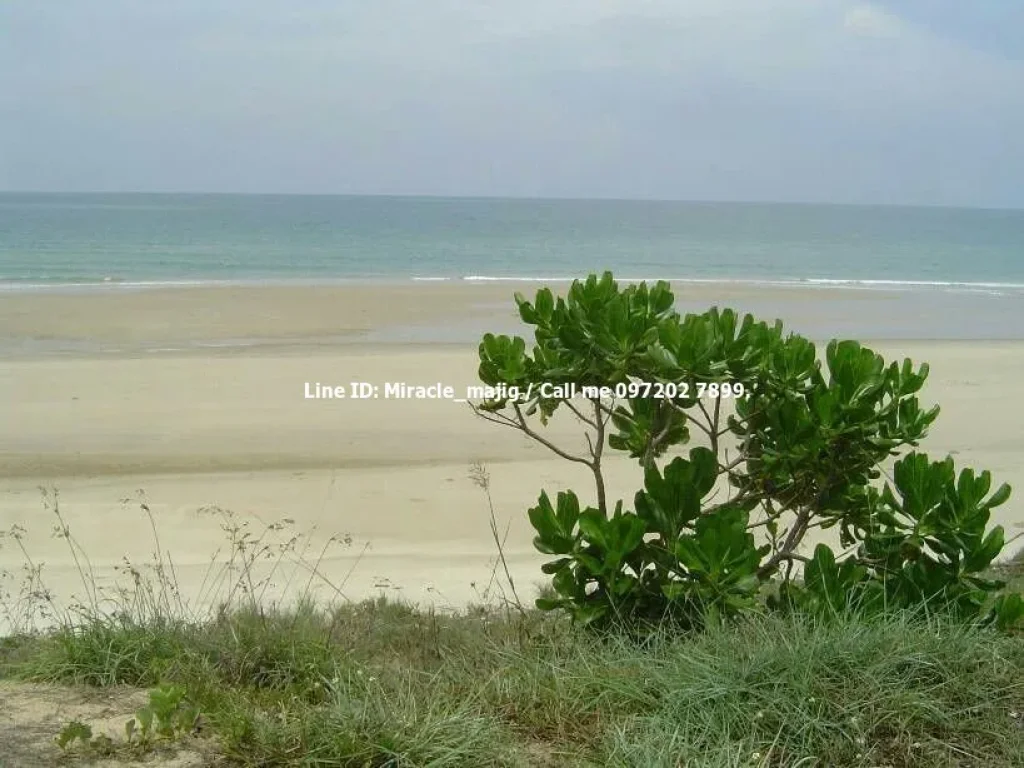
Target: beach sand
112,393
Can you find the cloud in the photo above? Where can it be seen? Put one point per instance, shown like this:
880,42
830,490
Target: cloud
793,99
871,21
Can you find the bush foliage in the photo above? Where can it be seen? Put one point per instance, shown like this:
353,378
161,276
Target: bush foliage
746,440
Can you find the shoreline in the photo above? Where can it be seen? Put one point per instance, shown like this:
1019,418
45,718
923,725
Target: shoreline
32,285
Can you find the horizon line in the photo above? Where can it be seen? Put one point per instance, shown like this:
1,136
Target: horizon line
522,198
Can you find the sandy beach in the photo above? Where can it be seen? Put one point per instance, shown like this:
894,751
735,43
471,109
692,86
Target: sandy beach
196,397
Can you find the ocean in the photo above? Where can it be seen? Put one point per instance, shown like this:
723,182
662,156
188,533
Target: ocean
78,241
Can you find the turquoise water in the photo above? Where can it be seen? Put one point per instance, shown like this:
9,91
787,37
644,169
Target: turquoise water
60,240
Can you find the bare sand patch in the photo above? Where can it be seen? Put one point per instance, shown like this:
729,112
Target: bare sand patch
32,714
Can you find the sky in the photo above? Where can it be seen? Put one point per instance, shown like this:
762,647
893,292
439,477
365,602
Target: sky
917,102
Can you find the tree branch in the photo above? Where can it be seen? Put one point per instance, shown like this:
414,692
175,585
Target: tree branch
546,443
495,418
714,424
597,452
710,431
740,422
656,440
793,538
739,498
691,419
520,424
579,414
725,468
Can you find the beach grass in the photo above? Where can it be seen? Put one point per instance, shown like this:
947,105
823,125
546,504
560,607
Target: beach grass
379,683
382,683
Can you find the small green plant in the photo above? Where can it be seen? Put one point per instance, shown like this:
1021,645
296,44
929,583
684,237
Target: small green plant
789,443
74,731
169,715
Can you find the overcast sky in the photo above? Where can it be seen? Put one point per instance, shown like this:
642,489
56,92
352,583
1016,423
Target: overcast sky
906,101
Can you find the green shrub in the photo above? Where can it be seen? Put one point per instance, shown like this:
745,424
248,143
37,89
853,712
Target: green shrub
791,441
